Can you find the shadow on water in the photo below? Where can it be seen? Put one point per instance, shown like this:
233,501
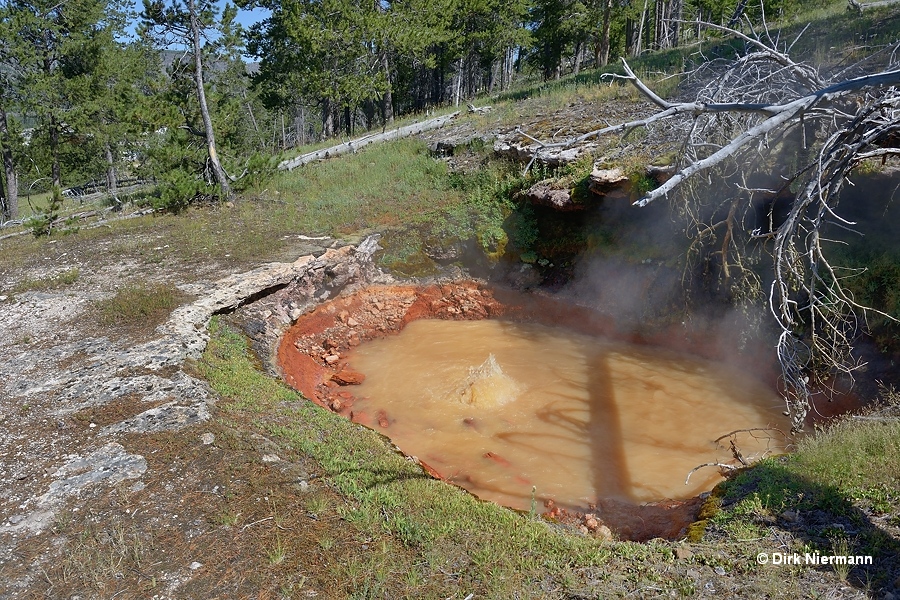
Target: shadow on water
611,477
824,520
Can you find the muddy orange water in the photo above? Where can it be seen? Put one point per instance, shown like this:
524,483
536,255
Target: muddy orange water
504,408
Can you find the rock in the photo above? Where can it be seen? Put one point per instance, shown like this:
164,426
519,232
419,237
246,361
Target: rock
608,176
270,458
498,459
544,194
448,146
661,174
348,376
512,146
332,358
604,181
683,553
351,322
604,533
791,516
207,438
195,565
382,419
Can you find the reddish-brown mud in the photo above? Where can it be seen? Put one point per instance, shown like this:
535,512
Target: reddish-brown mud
311,353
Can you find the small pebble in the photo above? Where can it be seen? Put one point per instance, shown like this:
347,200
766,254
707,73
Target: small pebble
682,553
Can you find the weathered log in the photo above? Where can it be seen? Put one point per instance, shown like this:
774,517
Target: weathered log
509,147
354,145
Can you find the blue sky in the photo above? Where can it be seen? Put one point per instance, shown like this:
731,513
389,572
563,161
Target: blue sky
244,17
249,17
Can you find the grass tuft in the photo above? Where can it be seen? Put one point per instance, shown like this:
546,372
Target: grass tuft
139,305
44,284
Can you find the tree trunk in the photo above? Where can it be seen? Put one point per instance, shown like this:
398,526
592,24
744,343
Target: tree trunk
218,171
579,49
112,183
54,152
11,206
327,119
737,14
458,85
639,47
354,145
676,13
659,24
604,34
388,99
262,141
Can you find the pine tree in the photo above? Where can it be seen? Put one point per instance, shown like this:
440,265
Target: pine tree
189,24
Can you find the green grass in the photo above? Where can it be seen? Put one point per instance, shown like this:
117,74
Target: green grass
436,526
394,187
379,186
835,482
138,305
853,461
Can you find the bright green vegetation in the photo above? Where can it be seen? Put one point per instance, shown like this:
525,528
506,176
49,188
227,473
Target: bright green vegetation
830,491
854,460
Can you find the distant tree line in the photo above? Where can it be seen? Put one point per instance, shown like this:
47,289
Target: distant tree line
83,99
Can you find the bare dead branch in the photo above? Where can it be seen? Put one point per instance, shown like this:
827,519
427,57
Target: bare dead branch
745,112
723,466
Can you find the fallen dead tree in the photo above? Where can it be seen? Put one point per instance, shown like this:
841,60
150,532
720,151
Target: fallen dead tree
771,127
354,145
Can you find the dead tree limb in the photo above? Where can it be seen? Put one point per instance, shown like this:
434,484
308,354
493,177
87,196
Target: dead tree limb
354,145
722,466
748,113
